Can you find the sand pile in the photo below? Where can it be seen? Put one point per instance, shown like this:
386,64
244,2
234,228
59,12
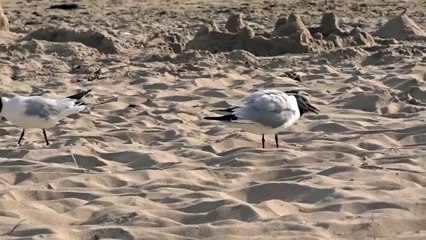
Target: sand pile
162,45
414,95
99,40
385,55
244,58
290,35
401,28
7,37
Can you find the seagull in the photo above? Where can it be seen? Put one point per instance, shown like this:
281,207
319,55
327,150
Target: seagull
40,112
266,111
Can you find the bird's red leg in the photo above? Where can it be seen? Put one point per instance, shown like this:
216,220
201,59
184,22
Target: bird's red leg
276,139
263,140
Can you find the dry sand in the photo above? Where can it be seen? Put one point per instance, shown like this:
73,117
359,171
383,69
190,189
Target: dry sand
151,168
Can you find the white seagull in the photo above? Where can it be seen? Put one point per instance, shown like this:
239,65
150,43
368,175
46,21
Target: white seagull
265,112
39,112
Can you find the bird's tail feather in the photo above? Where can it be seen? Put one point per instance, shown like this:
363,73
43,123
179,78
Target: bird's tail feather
71,110
225,118
224,110
80,95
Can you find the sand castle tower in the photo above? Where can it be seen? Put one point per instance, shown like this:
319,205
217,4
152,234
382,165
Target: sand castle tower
235,23
4,22
330,24
290,26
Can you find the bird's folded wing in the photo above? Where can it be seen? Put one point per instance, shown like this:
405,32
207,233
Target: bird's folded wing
265,117
271,110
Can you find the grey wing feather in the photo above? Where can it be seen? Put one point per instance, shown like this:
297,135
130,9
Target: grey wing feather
41,109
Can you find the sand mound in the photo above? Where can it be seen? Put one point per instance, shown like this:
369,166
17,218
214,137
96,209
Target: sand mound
401,28
290,35
371,102
101,41
386,55
60,49
7,37
243,57
191,56
414,95
163,46
165,43
349,55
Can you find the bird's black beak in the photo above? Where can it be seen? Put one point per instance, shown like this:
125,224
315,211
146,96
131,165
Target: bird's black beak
312,108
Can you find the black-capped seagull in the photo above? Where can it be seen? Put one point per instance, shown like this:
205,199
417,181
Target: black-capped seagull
266,112
39,112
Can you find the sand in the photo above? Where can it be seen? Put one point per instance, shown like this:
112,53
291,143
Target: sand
151,168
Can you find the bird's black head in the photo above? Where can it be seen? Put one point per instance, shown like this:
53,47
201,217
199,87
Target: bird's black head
304,105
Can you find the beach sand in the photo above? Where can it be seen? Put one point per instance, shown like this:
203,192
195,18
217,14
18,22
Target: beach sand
150,167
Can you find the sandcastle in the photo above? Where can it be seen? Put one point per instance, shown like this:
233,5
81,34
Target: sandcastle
290,35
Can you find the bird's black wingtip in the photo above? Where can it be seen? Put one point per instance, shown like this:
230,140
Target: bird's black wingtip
224,110
225,118
87,92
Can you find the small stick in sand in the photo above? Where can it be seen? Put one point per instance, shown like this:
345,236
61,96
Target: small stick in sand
13,229
73,158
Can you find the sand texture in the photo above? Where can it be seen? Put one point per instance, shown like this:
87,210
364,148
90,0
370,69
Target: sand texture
150,167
